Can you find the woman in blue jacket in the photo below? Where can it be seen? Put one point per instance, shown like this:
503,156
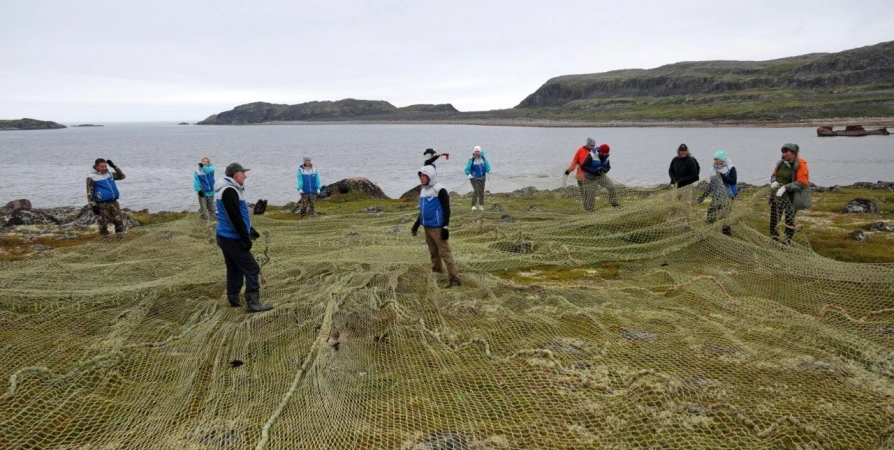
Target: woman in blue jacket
723,189
203,183
477,169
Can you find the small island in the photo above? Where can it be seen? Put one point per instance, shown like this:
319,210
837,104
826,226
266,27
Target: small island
87,125
29,124
183,123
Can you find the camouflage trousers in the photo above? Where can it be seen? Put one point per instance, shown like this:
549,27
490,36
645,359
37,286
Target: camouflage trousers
109,212
207,209
307,205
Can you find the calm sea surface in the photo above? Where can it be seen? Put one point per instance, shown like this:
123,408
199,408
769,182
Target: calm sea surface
50,167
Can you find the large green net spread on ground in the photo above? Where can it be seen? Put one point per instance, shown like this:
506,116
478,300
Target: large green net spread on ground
642,326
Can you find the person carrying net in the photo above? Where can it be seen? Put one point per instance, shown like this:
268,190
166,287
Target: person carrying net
722,189
791,183
595,166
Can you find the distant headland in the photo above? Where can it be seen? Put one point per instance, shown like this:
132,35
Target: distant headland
29,124
807,90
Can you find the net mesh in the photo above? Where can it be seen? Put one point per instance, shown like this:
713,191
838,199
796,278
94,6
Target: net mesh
643,326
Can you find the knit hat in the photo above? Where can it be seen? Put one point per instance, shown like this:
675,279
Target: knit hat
235,168
793,147
591,141
477,148
721,155
429,151
682,147
604,149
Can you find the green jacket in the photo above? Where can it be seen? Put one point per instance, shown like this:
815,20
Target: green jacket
798,187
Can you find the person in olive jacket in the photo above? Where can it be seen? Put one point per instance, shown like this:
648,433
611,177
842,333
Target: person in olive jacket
791,183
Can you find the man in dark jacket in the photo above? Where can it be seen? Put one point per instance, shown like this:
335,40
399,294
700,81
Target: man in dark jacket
595,166
683,168
234,237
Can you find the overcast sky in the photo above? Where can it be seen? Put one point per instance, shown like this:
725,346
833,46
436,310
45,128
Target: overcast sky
185,60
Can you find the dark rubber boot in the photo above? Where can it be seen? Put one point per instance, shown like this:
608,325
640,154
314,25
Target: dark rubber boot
234,300
253,303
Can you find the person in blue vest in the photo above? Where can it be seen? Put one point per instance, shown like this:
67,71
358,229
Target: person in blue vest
203,183
434,216
722,189
102,196
308,188
477,169
234,237
595,167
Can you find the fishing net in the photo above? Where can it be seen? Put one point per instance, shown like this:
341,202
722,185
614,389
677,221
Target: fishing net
642,326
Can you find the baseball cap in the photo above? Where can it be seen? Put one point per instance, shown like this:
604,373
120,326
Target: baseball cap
235,168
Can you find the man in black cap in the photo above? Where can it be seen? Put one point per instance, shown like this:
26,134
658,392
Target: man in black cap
432,156
234,237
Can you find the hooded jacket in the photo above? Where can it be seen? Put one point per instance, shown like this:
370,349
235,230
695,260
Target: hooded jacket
233,221
308,180
727,174
478,168
594,165
578,162
434,201
798,188
203,180
684,170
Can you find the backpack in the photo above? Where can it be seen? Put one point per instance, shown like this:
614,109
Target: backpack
260,207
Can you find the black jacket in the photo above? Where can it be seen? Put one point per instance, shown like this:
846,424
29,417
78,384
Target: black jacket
588,168
683,170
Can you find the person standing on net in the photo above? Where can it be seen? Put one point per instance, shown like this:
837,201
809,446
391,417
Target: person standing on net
791,183
234,237
683,171
477,169
595,166
434,216
723,189
308,188
203,183
102,196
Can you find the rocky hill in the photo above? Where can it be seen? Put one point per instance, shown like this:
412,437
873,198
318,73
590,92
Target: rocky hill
29,124
347,109
864,66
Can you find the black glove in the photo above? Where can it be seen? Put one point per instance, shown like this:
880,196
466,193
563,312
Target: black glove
201,194
95,209
246,244
415,229
567,172
253,234
201,165
445,234
111,164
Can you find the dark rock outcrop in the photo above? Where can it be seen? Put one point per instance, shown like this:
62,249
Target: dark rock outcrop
859,236
881,226
877,186
355,185
29,124
860,205
412,193
16,204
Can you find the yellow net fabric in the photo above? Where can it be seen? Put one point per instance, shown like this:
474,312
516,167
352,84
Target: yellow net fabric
642,326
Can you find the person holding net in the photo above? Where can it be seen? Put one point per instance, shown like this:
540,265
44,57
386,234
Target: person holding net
683,171
722,189
595,166
234,237
102,196
434,216
431,157
791,183
477,169
203,183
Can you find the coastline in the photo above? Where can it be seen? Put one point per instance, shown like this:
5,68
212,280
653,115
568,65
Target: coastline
551,123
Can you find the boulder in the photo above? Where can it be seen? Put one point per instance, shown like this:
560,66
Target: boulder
356,184
881,226
16,204
859,236
86,218
877,186
524,192
860,205
28,217
412,193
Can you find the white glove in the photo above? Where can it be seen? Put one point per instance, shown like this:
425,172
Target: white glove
780,191
774,185
470,176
